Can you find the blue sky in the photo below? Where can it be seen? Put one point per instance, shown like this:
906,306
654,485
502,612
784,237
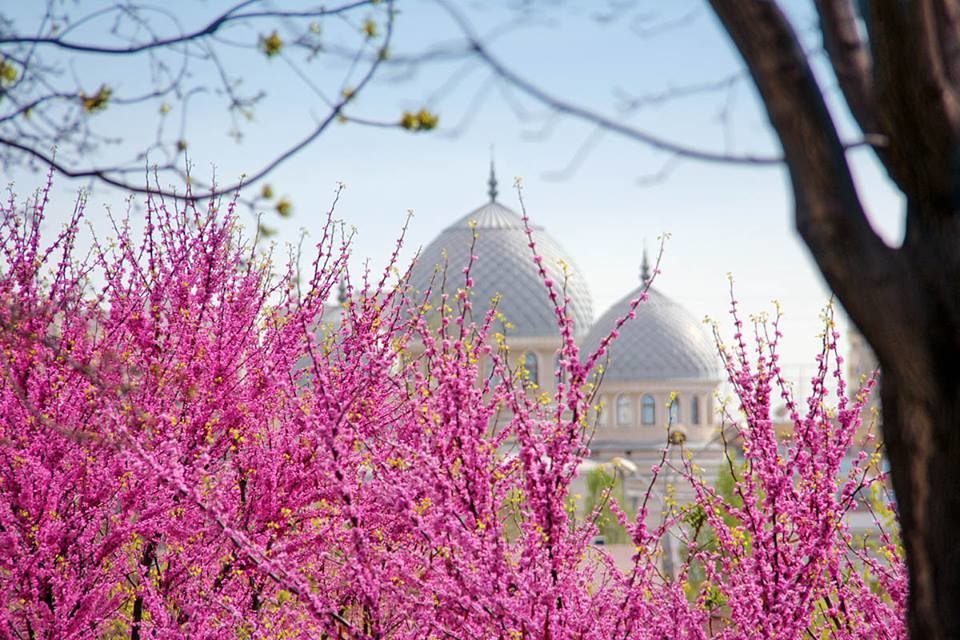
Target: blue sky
721,219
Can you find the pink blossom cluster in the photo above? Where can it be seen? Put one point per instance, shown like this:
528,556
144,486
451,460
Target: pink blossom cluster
192,447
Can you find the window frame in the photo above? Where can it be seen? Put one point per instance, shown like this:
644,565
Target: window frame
624,409
673,411
648,404
533,372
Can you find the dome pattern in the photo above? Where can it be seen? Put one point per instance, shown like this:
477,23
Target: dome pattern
505,266
663,342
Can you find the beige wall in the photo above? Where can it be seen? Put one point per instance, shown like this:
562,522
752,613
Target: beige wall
611,427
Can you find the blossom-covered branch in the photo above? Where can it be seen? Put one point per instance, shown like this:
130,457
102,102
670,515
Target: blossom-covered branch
195,444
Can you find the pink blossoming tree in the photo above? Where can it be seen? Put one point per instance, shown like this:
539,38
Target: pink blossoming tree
192,447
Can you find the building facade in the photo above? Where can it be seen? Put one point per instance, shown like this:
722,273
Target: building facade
662,371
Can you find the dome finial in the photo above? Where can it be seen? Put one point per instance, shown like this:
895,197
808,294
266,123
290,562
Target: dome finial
645,266
492,182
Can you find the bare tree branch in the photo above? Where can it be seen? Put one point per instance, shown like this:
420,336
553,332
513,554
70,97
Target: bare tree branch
611,124
645,27
40,111
947,16
849,56
571,109
670,94
234,14
911,86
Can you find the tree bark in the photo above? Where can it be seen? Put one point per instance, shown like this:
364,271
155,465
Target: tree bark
905,301
850,59
924,463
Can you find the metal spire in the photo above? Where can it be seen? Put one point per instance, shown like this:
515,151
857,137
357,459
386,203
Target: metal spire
492,182
645,266
342,290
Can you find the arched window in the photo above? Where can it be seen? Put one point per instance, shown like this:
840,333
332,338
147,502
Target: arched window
624,410
648,410
603,412
532,367
674,411
694,410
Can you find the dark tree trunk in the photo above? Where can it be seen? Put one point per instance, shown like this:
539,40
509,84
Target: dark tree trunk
924,456
920,394
902,88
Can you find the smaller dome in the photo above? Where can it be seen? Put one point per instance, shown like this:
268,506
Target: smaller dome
663,342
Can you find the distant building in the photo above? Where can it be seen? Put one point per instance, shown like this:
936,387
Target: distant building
663,369
660,376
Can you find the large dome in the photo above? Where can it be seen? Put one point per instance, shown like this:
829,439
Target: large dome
663,342
505,266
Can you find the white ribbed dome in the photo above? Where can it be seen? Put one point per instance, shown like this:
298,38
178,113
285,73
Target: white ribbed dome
505,266
664,342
